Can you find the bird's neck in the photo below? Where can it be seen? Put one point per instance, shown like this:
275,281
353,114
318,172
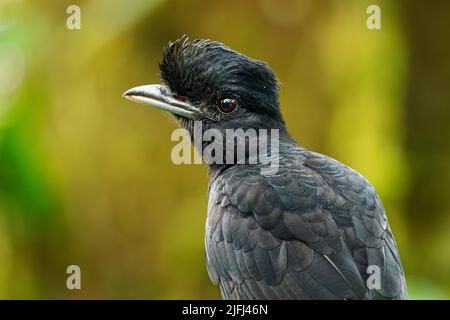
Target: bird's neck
269,153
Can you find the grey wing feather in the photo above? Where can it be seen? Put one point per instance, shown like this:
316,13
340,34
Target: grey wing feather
309,232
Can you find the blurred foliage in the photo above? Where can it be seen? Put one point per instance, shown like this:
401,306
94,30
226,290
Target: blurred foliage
86,177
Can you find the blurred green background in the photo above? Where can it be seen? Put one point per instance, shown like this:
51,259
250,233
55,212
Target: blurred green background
86,176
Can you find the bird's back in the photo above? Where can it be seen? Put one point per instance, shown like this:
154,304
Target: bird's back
315,230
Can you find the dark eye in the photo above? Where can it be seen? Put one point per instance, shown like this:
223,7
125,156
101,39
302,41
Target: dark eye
227,105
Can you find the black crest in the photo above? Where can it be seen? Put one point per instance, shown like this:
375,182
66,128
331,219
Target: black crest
204,69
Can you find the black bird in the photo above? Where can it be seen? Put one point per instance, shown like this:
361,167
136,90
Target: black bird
315,229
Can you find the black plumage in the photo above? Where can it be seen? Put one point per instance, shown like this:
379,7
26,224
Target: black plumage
311,230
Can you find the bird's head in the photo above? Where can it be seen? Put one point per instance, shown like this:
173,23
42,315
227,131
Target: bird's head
209,82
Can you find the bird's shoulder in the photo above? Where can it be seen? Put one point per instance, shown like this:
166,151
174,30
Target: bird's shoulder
315,216
311,198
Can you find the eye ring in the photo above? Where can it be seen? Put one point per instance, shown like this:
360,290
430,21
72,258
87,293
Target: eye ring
227,105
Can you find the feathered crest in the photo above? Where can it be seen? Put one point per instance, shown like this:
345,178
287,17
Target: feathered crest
203,67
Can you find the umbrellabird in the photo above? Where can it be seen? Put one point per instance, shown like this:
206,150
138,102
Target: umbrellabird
312,229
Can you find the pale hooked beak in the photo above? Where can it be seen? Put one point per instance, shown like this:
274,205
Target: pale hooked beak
161,97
